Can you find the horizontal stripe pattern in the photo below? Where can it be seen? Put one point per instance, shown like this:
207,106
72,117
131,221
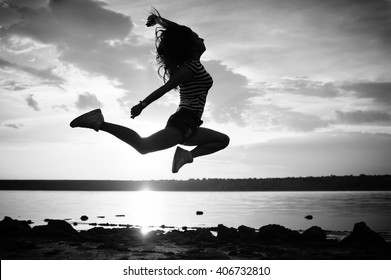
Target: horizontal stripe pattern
194,92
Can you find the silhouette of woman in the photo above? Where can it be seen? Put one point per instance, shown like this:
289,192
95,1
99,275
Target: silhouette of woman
178,53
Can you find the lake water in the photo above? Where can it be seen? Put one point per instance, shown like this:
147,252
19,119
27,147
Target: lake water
337,211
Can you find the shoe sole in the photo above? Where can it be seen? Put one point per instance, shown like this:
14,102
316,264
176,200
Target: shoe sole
178,153
174,160
75,122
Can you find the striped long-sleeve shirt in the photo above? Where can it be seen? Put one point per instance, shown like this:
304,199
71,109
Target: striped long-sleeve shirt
194,92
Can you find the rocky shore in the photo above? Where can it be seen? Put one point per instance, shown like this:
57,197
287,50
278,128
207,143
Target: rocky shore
60,240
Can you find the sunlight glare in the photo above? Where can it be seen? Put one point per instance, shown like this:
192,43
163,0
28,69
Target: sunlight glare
146,204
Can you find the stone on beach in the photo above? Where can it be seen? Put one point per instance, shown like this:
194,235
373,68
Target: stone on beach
277,232
55,228
362,234
309,217
226,234
203,235
9,226
247,234
314,233
84,218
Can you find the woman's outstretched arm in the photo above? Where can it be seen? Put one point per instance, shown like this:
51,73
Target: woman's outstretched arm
181,76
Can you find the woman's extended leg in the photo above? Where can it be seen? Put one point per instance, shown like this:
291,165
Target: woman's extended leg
163,139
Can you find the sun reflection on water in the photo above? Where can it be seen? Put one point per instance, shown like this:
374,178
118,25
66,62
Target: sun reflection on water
146,203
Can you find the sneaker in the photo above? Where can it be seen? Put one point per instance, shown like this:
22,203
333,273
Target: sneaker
93,119
181,157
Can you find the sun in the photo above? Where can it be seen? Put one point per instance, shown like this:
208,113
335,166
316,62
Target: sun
146,203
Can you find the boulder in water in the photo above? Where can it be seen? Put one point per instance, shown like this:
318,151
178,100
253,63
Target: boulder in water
362,234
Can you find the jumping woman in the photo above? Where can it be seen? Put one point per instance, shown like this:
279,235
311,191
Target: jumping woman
178,53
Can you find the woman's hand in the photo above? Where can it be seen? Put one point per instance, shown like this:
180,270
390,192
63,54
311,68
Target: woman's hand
136,110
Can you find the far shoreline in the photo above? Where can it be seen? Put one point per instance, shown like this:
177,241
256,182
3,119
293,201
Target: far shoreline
326,183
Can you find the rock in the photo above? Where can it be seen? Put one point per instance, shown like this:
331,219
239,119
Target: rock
277,232
314,234
10,227
244,230
203,235
309,217
226,234
84,218
61,226
362,234
96,231
247,234
175,236
199,213
56,228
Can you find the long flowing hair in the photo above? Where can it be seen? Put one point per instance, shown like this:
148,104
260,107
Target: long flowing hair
173,43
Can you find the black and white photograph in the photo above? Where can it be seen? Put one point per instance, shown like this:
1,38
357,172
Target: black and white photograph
195,130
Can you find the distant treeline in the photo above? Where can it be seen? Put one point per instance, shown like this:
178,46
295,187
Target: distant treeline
328,183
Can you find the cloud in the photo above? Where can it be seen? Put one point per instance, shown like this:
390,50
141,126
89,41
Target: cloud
71,23
364,117
296,121
378,91
229,95
87,35
371,18
31,102
87,100
14,125
320,154
12,85
43,74
60,107
302,86
323,39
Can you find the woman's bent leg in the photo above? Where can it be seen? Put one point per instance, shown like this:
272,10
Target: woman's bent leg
163,139
208,141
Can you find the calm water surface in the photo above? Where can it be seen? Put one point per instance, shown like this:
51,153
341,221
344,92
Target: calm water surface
331,210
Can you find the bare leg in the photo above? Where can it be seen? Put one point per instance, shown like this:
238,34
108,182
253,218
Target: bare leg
163,139
208,141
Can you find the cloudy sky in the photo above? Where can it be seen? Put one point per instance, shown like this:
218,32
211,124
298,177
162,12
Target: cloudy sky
302,87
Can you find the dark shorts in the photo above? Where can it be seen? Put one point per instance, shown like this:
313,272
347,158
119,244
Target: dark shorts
186,121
